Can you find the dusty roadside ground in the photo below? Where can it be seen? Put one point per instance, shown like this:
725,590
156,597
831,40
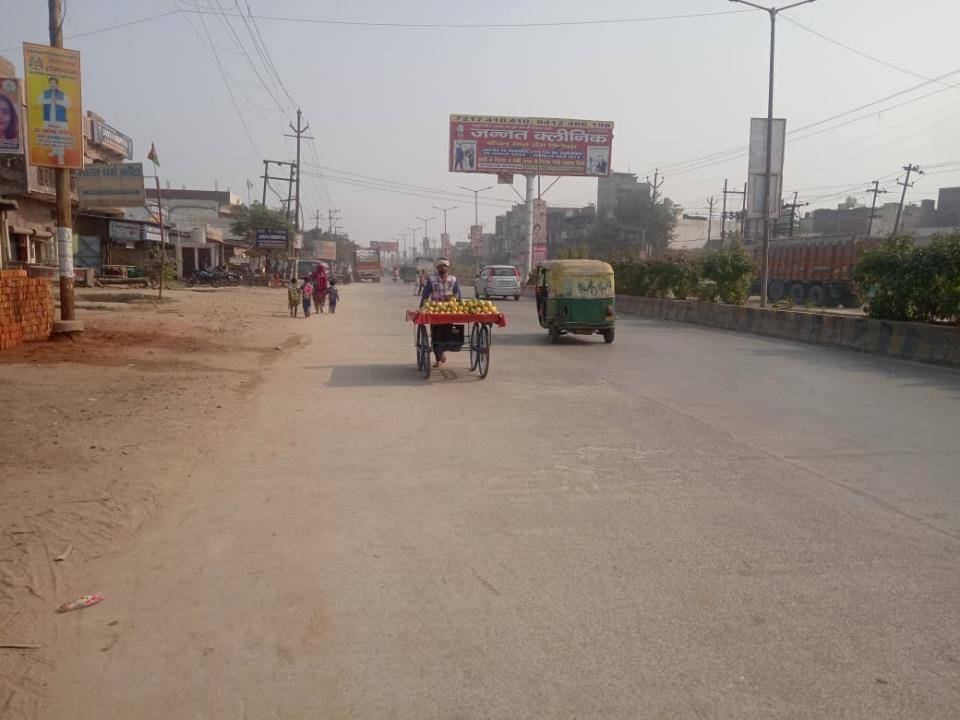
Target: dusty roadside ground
97,432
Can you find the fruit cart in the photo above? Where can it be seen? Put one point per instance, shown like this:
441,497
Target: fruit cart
478,340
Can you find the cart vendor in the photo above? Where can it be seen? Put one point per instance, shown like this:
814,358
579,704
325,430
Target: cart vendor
440,288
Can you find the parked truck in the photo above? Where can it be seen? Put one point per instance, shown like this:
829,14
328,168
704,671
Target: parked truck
367,266
813,270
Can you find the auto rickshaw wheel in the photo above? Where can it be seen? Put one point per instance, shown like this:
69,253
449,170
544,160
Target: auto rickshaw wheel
607,335
553,333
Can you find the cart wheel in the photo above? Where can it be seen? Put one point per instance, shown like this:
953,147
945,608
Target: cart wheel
423,352
474,345
483,351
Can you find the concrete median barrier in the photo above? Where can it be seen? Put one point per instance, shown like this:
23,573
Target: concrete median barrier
909,341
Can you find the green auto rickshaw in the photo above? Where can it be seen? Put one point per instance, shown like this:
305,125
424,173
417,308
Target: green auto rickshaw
576,296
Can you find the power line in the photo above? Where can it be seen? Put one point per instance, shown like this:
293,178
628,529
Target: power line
226,82
489,26
855,51
384,188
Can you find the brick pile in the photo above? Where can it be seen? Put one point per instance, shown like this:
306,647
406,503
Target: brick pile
26,308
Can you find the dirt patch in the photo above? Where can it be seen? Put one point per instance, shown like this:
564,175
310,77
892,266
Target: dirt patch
99,430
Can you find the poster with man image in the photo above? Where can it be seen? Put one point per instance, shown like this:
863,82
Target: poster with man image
54,107
11,138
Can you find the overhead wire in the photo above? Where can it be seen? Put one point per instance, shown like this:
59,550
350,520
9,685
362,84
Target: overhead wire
226,82
493,26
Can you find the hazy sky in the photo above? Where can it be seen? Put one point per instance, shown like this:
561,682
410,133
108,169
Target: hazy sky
378,98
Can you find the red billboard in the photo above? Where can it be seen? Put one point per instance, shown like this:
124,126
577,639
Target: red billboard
529,145
385,245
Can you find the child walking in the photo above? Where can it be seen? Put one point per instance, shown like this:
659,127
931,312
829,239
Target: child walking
307,294
293,297
333,297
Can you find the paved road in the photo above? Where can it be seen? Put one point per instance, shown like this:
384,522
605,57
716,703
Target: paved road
684,524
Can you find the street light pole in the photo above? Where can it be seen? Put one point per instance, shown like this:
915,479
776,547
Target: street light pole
767,179
425,221
414,230
476,202
444,211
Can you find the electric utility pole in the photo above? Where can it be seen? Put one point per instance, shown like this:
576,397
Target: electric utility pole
655,186
64,228
906,184
724,215
794,206
333,215
316,219
873,206
711,201
767,180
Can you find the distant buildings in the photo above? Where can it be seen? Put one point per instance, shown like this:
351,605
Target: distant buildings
853,218
618,185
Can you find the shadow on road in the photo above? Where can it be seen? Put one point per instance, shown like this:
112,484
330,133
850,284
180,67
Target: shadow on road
356,376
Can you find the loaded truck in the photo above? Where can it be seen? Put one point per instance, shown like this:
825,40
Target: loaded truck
812,270
367,266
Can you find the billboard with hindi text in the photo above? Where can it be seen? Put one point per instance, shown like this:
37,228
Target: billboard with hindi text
11,125
530,145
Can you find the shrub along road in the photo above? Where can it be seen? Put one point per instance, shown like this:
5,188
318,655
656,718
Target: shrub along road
686,523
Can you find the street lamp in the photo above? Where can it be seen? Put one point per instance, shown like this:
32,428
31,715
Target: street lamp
444,211
476,203
765,259
414,231
425,221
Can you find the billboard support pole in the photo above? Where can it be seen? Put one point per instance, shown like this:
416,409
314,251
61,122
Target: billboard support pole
64,228
163,237
530,213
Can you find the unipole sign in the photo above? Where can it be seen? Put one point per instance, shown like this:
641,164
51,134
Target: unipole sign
757,169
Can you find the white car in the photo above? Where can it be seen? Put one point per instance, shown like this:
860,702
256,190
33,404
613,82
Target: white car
497,281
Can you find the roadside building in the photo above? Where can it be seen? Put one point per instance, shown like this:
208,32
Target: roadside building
27,240
198,223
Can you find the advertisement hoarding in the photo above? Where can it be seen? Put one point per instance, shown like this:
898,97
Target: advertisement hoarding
476,237
529,145
111,185
7,68
11,125
54,106
445,242
327,250
385,245
271,239
757,168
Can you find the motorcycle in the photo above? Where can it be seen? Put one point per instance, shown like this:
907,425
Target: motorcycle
203,277
228,277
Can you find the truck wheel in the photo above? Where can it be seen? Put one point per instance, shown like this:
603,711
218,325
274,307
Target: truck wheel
816,295
516,298
797,292
776,290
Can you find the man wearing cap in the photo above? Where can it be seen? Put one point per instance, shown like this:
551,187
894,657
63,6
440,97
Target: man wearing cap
440,288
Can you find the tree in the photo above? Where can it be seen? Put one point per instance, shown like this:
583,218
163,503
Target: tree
259,217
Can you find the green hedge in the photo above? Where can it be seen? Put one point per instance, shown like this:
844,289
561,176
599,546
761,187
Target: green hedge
901,281
708,275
